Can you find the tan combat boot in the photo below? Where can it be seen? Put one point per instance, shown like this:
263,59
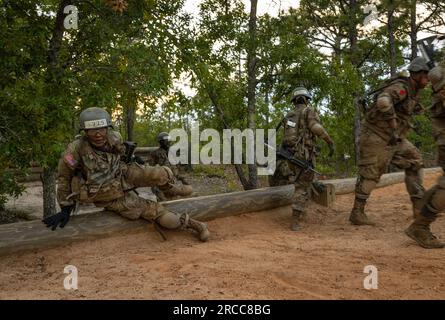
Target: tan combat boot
358,216
199,227
172,191
420,231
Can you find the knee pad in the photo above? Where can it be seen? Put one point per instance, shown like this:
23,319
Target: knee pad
364,188
169,220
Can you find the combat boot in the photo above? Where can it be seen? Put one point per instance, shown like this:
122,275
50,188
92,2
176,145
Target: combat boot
358,216
200,227
420,231
177,191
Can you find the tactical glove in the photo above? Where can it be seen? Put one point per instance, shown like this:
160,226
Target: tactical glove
59,219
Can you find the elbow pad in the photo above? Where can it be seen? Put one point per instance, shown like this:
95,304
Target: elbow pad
384,103
319,131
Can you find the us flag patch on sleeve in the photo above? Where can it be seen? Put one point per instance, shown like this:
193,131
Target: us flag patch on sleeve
69,160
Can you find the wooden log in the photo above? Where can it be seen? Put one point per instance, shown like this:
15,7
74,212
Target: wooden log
16,237
230,204
343,186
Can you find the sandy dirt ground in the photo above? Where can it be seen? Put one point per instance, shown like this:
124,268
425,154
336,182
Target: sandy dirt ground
252,256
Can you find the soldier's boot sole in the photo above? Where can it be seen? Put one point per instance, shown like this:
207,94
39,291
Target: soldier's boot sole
425,242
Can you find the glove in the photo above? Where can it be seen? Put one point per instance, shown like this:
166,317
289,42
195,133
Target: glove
59,219
331,149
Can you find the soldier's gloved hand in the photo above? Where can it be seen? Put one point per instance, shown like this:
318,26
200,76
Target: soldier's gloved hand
331,149
59,219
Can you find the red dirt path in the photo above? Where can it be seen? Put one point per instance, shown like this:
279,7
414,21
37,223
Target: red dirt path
253,256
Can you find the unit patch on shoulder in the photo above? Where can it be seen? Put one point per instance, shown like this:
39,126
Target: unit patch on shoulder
70,161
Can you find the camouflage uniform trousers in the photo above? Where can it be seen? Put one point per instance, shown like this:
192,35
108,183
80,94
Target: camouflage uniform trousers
435,197
287,173
376,156
132,206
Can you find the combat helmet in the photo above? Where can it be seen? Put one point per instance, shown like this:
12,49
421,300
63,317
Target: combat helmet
300,91
437,78
163,136
418,64
94,118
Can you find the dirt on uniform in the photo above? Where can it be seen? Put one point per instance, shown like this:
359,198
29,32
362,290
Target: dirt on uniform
252,256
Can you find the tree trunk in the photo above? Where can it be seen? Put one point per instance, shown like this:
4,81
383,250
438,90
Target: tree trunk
48,178
129,120
413,28
353,40
391,38
357,128
251,85
54,74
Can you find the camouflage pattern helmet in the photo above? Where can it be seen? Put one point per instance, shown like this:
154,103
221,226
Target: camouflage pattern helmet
437,78
94,118
163,136
418,64
300,91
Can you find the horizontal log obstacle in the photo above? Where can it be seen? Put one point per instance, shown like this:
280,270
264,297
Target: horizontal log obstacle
15,237
343,186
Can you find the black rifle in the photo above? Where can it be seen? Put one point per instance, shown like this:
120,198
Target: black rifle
306,166
427,49
129,156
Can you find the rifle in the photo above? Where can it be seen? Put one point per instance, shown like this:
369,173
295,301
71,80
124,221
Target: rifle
306,166
285,154
129,156
426,48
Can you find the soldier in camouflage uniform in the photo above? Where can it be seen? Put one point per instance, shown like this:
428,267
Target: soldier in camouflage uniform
91,170
160,157
434,199
383,139
301,128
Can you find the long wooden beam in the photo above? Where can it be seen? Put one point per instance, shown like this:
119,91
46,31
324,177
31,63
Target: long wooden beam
32,235
343,186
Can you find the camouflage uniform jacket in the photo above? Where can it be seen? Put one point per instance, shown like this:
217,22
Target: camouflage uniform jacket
301,128
91,175
405,104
